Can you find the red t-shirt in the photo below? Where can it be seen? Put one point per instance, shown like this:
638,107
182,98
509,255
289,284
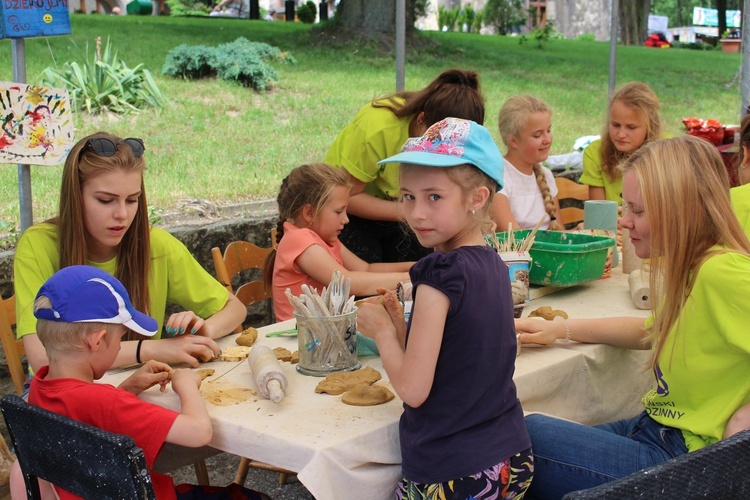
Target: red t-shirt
113,410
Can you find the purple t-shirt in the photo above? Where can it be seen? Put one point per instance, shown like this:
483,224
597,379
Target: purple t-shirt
472,418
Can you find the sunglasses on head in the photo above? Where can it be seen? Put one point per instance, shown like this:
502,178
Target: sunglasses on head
105,147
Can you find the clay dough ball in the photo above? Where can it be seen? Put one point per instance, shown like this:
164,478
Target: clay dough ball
235,353
547,313
247,337
205,372
367,395
282,353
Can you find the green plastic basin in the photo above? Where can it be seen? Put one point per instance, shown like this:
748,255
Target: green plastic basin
561,258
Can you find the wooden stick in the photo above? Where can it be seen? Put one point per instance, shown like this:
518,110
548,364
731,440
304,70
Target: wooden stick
530,238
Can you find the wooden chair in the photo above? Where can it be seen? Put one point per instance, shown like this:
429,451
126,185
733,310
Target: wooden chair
77,457
719,470
12,347
242,256
571,196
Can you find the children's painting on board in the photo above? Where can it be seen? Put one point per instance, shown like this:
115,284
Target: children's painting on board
37,124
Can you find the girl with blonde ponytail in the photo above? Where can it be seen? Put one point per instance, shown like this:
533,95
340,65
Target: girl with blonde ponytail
530,192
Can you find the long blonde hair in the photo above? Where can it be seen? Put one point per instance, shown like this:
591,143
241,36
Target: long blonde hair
511,119
134,251
309,184
685,190
643,101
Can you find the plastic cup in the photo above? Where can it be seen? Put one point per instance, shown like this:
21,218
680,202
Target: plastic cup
327,344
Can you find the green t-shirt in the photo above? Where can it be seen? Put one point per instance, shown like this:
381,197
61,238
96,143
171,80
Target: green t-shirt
373,135
594,176
703,372
174,276
740,196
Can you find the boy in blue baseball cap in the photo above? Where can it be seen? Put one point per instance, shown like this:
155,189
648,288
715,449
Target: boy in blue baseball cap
82,314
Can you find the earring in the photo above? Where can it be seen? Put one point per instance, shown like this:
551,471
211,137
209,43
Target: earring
473,212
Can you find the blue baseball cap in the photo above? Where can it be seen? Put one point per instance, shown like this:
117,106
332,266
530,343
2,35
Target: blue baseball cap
85,294
451,142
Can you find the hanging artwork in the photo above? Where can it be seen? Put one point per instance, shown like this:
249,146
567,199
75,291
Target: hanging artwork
37,124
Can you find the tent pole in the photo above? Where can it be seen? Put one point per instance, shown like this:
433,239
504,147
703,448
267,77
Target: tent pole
18,48
613,31
400,44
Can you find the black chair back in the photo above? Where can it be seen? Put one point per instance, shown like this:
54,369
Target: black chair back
84,460
720,470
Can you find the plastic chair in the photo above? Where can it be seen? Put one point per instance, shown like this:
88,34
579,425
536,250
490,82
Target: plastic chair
77,457
571,196
241,256
12,347
720,470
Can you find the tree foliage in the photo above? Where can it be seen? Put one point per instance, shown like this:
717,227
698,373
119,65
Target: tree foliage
504,15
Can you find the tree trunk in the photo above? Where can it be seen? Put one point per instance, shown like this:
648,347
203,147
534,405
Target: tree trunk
634,21
679,13
721,7
373,15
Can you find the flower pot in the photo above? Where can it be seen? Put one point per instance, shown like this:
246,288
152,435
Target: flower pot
730,45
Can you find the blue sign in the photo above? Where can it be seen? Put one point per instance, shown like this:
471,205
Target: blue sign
30,18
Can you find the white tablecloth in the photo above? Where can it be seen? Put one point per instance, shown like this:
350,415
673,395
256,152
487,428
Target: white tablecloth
339,449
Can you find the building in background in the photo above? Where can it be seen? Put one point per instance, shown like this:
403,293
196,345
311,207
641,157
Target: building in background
571,18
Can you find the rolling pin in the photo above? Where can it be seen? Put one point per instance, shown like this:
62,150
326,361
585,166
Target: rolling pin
640,292
268,374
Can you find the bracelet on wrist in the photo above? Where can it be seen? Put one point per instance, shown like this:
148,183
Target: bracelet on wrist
138,352
567,330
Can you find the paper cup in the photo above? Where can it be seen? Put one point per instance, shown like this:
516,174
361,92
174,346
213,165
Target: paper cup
519,266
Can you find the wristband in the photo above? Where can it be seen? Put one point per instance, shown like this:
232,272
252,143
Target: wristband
138,352
567,330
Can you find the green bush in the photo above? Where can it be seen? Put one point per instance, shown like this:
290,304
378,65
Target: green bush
106,83
241,61
586,37
307,12
466,17
542,35
447,18
692,45
180,8
190,61
504,15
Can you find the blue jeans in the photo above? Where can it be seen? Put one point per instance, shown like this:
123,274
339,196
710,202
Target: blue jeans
570,456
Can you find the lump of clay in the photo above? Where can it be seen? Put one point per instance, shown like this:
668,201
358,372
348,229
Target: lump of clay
547,313
282,353
205,372
235,353
338,383
367,395
247,337
332,387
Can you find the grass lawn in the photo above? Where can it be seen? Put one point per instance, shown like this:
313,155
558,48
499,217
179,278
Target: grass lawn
227,144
